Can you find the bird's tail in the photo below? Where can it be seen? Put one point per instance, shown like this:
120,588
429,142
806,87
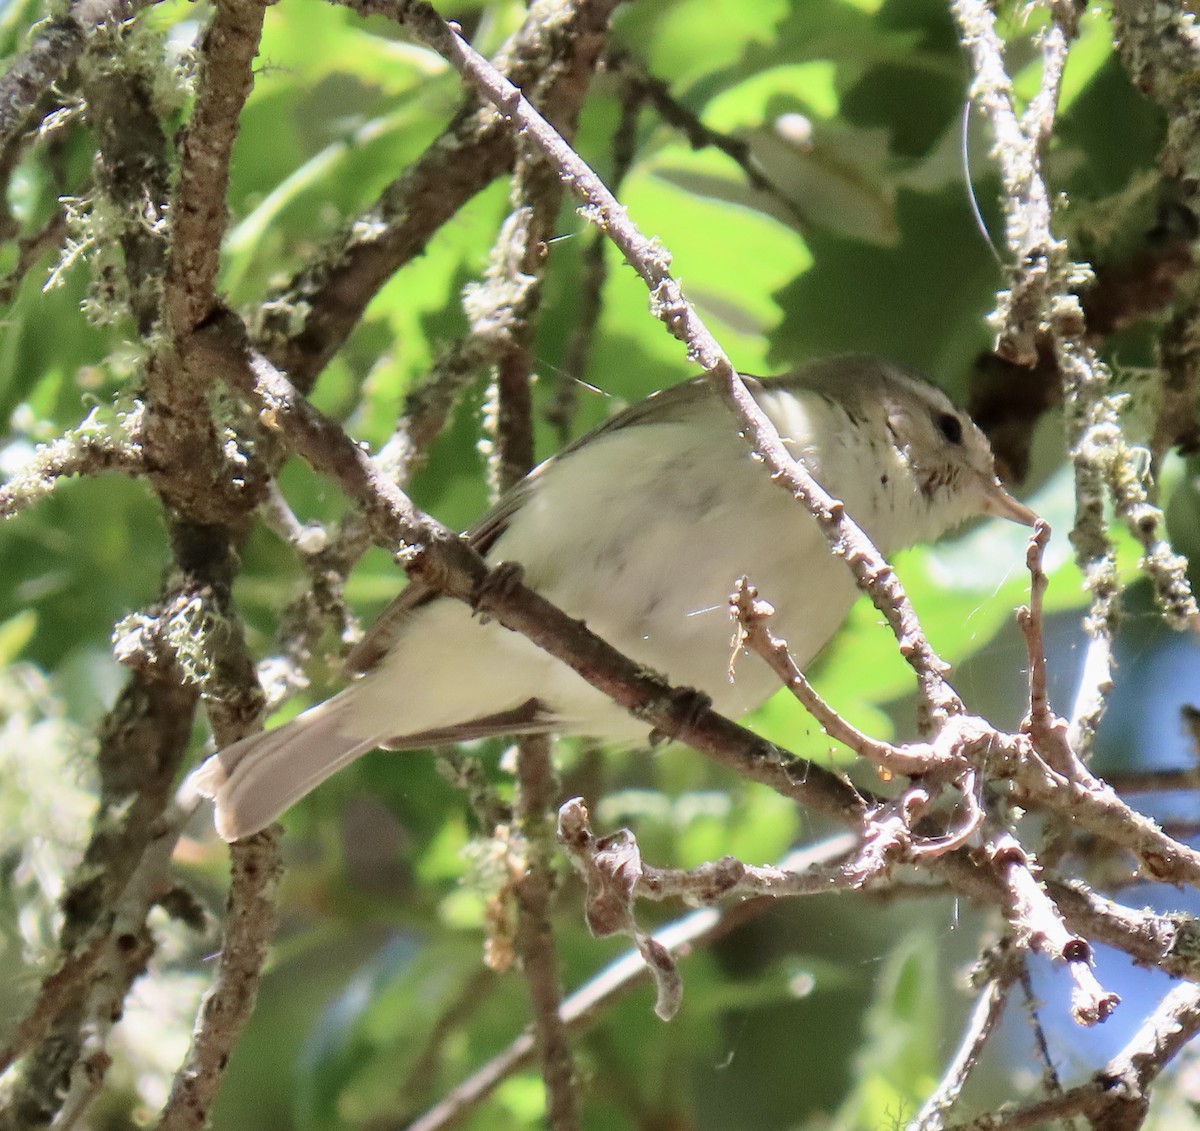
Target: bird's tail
253,781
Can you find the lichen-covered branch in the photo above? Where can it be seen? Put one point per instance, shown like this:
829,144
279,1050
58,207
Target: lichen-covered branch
1038,258
93,448
57,44
249,927
199,214
753,614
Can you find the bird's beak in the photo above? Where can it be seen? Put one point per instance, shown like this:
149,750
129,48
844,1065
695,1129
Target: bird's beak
997,501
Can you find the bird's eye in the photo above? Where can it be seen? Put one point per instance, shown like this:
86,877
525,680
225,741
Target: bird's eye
949,426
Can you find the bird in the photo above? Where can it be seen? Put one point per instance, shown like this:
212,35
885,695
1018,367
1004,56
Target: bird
641,528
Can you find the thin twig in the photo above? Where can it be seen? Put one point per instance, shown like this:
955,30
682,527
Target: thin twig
423,1069
731,878
1116,1098
753,616
1049,733
889,831
250,924
1039,925
30,249
278,516
1030,620
1051,1083
656,93
1155,781
980,1027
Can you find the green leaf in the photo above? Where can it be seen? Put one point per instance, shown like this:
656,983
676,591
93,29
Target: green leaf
15,633
676,197
672,39
810,87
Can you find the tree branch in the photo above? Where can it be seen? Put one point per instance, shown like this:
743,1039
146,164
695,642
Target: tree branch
57,45
249,926
90,449
199,213
585,1006
1039,925
1115,1098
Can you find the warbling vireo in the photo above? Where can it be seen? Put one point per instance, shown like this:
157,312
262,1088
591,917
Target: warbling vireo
641,528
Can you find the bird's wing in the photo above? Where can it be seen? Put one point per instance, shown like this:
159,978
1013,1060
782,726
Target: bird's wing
387,626
671,404
529,718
